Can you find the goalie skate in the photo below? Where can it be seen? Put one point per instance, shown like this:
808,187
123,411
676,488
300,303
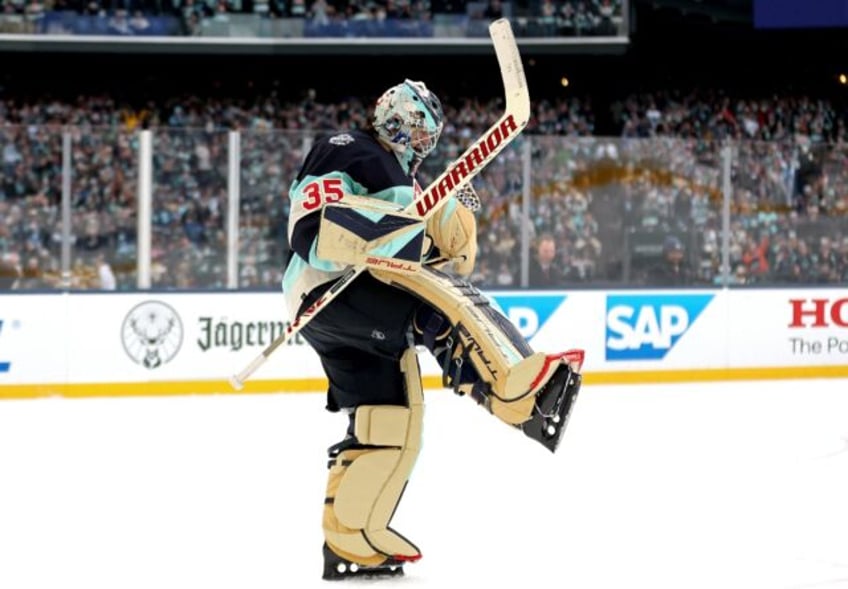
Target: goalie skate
555,400
337,568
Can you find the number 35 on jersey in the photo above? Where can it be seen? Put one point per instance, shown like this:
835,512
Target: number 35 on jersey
320,192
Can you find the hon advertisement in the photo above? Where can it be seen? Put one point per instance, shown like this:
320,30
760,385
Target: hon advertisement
789,328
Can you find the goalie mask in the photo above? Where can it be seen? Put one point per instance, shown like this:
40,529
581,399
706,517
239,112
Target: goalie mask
408,118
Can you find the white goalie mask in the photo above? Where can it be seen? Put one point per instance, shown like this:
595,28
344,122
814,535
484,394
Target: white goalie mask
409,118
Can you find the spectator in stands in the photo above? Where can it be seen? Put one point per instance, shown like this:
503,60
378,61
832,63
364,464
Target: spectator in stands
740,276
105,274
666,184
139,24
494,10
10,273
842,262
544,270
672,269
119,23
755,258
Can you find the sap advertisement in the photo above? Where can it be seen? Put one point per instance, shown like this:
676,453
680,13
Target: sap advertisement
622,331
195,342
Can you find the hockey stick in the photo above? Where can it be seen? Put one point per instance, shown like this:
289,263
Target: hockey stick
449,183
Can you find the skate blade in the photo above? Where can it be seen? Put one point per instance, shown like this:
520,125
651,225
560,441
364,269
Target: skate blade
344,572
337,568
553,408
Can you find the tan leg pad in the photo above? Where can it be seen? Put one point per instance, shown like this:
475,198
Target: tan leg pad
520,409
498,352
365,484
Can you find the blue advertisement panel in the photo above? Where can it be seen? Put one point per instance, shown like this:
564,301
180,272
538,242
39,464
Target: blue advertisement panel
647,326
4,366
799,14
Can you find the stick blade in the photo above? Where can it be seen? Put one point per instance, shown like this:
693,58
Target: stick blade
512,70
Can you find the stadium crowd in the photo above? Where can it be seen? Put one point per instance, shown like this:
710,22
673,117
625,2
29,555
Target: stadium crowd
320,18
603,210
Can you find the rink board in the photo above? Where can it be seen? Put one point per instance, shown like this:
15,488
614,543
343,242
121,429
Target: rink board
99,344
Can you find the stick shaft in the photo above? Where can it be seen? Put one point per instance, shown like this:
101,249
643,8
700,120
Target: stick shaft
477,156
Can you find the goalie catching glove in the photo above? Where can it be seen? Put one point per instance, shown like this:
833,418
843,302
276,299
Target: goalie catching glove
453,230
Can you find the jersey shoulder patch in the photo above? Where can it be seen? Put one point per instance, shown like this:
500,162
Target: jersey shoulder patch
341,139
358,155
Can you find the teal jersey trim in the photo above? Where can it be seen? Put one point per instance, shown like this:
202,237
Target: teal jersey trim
303,204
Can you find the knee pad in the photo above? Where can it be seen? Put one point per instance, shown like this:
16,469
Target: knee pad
369,474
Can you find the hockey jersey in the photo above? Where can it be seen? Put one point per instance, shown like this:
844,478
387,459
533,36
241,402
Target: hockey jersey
351,162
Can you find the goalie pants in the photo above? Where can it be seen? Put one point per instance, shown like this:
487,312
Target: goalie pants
360,337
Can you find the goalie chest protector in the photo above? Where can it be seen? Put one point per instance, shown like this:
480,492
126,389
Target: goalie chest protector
362,158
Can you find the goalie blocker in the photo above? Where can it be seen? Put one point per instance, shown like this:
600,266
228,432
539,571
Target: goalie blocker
484,356
381,235
371,232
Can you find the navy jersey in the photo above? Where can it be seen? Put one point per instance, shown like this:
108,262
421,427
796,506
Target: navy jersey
351,162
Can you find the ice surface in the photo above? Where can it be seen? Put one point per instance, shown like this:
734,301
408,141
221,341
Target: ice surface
676,486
